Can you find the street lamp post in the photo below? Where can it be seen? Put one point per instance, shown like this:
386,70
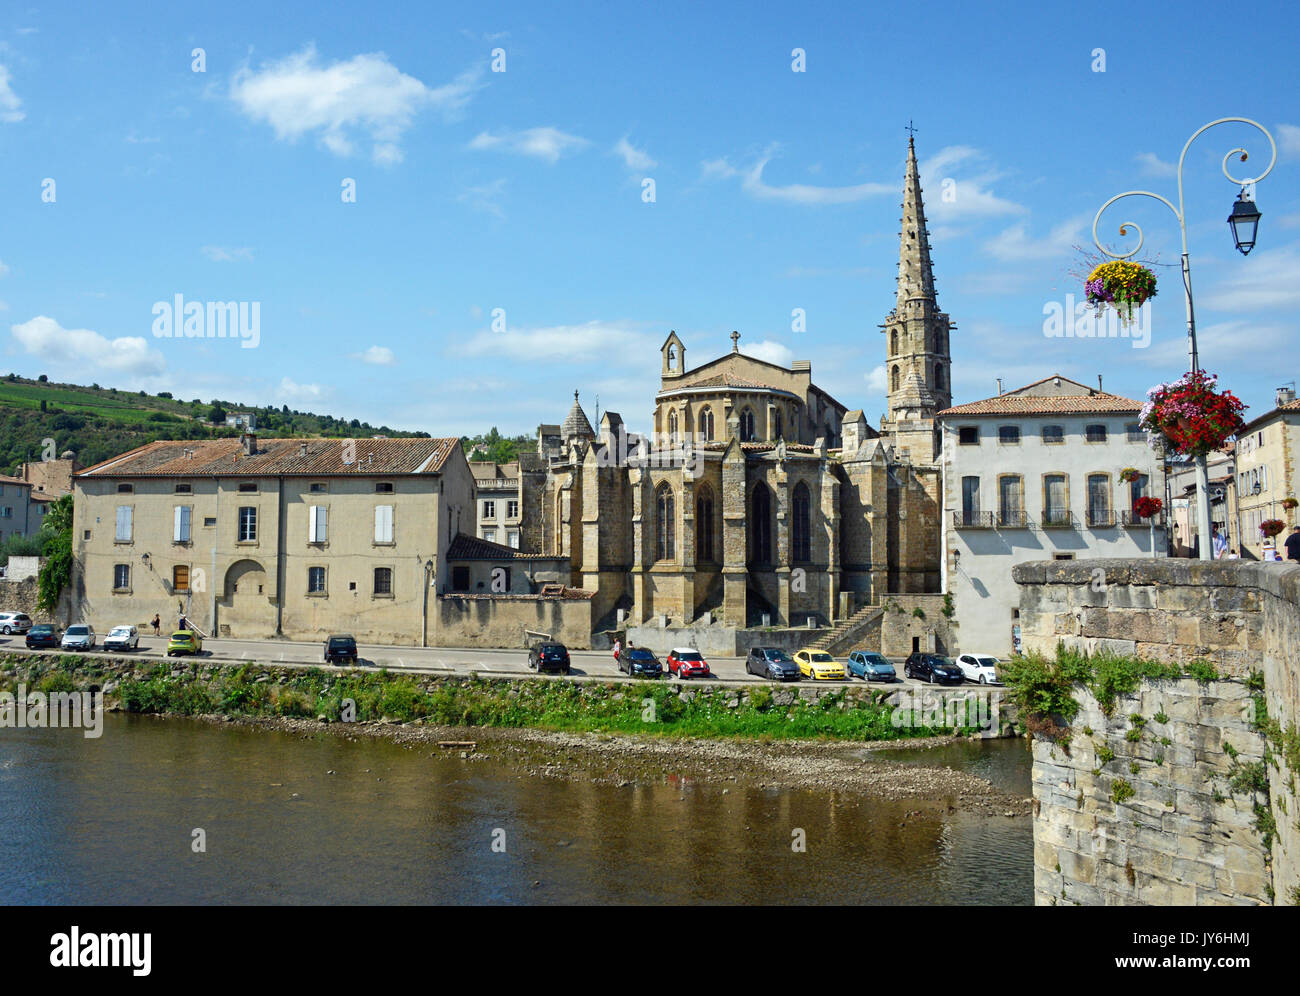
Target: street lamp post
1244,221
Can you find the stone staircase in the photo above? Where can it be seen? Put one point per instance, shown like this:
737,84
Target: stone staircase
844,634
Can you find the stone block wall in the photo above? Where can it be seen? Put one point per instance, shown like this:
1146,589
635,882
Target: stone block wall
1242,616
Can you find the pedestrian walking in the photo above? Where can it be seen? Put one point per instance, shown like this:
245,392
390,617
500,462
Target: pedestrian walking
1293,544
157,624
618,649
1219,544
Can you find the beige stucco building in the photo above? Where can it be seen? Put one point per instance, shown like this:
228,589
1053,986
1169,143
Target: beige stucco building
1268,472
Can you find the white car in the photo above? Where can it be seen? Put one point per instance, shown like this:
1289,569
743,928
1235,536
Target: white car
14,622
981,668
122,638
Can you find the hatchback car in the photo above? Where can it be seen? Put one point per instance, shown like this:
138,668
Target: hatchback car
933,668
982,668
772,662
184,642
122,638
639,662
341,649
78,637
41,637
819,665
14,622
870,666
687,662
549,657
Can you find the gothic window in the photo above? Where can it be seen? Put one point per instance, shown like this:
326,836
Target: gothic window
938,377
777,427
893,344
802,525
706,424
704,524
893,381
747,426
760,525
672,425
667,523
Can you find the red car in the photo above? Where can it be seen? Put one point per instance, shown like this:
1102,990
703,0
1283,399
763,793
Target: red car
686,662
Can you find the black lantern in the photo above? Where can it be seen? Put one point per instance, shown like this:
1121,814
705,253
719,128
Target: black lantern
1244,221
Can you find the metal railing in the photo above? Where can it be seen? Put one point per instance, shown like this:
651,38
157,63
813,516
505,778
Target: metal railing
1058,520
972,520
1132,520
1100,518
1012,519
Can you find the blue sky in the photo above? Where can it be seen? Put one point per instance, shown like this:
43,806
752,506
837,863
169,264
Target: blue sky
522,191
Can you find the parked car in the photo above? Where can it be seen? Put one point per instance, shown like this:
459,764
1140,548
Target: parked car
41,637
184,641
639,662
14,622
122,638
341,649
772,662
819,665
78,637
549,657
979,667
933,668
687,662
870,666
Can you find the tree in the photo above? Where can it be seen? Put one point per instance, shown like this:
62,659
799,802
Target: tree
43,379
216,413
56,540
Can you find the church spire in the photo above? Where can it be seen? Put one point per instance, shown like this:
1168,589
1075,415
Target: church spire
915,275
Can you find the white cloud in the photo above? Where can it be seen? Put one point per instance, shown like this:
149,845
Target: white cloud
83,350
877,381
549,144
607,342
770,351
1289,138
484,198
967,196
10,106
1153,165
634,158
751,181
378,356
219,255
290,391
298,95
4,269
1014,245
1269,279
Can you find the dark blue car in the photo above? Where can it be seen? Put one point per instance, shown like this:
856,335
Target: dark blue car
870,666
640,663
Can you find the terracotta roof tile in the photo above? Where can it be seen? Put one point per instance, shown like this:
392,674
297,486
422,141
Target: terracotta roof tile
1072,404
320,458
465,547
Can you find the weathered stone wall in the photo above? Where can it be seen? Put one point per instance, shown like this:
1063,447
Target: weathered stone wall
1242,616
899,625
20,596
502,620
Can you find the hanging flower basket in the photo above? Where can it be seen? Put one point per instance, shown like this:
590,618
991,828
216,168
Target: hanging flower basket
1271,527
1121,284
1148,507
1290,503
1189,416
1129,474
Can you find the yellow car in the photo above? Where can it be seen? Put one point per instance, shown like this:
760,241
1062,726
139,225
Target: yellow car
819,665
184,641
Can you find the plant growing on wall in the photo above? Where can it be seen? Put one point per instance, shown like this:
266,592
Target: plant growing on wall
56,537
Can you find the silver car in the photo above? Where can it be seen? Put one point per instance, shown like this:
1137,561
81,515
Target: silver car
122,638
14,622
78,637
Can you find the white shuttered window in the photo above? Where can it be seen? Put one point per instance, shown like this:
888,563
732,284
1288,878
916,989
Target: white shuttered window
181,524
317,524
383,523
123,534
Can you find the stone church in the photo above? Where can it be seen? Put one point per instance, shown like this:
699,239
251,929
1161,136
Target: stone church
758,498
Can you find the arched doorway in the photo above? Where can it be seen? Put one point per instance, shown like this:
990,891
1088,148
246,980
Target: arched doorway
245,608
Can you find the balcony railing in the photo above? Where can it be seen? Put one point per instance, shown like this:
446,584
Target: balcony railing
1058,520
1132,520
972,520
1012,519
1100,518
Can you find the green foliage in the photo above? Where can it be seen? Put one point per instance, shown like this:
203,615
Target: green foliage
18,545
493,446
1255,682
1134,735
56,539
1132,767
1120,790
1203,671
1161,717
1105,755
1042,687
948,608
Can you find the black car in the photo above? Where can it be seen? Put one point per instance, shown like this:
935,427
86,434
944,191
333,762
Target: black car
341,649
42,636
549,657
772,662
932,668
640,663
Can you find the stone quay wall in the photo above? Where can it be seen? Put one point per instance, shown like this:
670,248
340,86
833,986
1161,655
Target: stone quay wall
1094,844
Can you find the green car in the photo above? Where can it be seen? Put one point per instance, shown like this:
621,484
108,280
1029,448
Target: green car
184,641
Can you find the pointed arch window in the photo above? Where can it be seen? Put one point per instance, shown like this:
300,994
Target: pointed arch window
939,377
672,425
778,429
801,527
704,524
666,522
706,424
893,343
893,380
760,525
747,426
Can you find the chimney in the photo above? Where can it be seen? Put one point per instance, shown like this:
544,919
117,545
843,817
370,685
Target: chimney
1098,382
1285,395
302,449
999,387
249,443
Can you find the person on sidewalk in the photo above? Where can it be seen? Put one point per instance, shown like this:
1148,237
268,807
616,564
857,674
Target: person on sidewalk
157,625
618,648
1293,544
1219,544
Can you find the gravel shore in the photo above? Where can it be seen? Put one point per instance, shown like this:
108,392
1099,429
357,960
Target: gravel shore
846,767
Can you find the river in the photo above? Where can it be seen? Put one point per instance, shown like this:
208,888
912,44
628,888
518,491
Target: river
112,821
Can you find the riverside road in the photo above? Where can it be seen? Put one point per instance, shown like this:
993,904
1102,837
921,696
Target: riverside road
597,664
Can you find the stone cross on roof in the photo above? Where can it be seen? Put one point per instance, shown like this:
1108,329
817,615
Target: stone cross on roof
735,342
